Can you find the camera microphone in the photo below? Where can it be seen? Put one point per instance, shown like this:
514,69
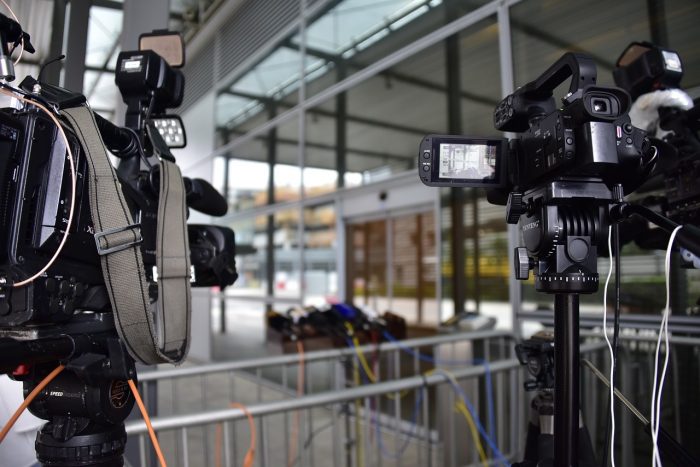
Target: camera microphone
204,198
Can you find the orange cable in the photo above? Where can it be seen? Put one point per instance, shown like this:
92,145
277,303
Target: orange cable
297,414
147,419
217,445
28,400
250,455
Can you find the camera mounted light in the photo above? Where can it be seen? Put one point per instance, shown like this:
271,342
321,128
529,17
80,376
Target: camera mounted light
644,67
167,44
171,129
148,81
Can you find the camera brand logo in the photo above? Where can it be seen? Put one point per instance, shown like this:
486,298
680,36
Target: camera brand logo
531,225
119,393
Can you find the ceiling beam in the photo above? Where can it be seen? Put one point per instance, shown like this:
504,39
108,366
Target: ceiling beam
327,113
331,147
399,77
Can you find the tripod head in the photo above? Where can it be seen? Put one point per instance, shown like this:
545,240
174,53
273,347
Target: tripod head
87,403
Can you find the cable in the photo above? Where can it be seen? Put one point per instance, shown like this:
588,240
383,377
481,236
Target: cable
250,455
472,428
147,419
355,344
447,362
610,348
457,388
404,445
433,360
656,395
359,453
71,161
28,400
297,414
461,408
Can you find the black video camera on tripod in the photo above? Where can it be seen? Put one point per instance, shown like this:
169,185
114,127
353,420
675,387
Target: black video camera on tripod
96,264
564,178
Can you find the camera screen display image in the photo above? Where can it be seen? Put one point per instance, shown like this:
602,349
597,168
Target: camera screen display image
446,160
467,161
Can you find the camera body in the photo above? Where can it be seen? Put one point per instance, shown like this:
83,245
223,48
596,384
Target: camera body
589,136
559,176
37,194
34,214
643,69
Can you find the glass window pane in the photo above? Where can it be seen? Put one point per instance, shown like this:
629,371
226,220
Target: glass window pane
287,278
367,267
413,268
251,247
247,182
320,249
104,29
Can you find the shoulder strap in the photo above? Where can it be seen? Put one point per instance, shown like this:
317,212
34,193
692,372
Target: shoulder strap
152,332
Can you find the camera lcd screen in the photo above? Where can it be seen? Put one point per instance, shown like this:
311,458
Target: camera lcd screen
467,161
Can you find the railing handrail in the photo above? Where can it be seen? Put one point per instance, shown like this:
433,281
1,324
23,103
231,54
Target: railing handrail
264,362
328,397
679,340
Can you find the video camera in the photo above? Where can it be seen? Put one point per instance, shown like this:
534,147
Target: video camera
564,179
590,136
67,312
34,208
652,76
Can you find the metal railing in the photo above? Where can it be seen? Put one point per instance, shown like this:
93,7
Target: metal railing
406,418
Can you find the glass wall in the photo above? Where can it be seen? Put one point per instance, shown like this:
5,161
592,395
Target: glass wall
352,94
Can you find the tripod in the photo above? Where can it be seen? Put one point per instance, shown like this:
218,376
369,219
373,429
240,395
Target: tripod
87,403
537,355
562,226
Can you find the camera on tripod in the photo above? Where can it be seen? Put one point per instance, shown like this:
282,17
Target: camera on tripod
589,136
537,355
34,208
96,264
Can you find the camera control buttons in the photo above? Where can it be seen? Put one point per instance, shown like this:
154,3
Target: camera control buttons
51,285
426,168
426,154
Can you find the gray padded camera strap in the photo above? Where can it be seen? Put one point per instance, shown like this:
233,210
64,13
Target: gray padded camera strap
155,332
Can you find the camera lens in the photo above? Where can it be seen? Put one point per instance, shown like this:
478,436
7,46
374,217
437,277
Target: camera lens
600,105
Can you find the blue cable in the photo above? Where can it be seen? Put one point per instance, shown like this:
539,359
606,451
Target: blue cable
489,437
402,449
476,361
479,426
375,418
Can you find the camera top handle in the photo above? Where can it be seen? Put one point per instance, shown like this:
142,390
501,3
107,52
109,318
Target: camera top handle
536,97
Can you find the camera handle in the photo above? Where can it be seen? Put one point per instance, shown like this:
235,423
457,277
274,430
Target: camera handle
579,67
535,99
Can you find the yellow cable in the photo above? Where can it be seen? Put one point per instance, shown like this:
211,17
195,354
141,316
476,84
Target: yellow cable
368,370
461,408
358,431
